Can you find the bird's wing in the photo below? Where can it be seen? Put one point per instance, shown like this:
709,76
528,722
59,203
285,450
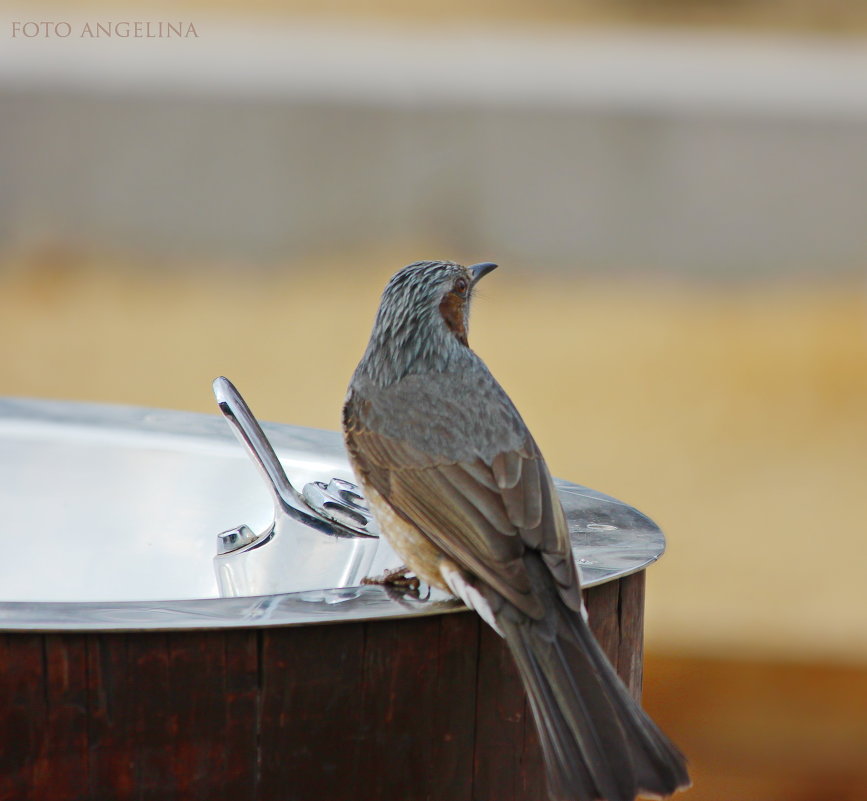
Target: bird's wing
482,516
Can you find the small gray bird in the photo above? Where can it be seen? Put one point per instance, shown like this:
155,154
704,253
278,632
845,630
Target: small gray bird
462,493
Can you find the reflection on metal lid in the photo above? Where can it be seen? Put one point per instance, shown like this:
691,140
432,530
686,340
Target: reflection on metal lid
111,516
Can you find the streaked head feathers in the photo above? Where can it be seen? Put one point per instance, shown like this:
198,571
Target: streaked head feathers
422,321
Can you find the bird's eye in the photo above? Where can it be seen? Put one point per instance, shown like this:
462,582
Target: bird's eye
461,285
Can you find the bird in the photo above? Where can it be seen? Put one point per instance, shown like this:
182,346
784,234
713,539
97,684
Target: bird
461,492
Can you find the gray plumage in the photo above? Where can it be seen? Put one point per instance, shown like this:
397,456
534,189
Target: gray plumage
462,492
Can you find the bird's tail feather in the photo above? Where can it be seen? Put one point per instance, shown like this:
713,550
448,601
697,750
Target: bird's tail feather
597,742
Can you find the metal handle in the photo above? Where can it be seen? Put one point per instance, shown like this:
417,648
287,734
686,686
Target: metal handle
248,431
353,522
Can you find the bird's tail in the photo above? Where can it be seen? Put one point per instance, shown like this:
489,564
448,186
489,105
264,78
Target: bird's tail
597,742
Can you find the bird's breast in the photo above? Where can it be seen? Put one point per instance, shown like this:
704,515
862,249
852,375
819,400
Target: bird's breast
417,552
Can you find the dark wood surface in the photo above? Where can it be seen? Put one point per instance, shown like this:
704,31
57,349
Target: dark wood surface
422,709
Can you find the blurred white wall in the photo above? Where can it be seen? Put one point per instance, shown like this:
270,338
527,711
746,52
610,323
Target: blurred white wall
694,153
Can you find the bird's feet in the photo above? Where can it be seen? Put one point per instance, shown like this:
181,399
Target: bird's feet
401,578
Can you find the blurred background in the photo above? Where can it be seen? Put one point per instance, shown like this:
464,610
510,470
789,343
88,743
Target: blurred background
676,193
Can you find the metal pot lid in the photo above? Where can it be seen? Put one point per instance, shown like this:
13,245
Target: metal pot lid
111,517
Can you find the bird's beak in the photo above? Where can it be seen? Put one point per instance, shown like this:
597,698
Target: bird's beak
480,270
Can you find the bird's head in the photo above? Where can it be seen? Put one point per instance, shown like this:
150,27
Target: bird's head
432,296
423,318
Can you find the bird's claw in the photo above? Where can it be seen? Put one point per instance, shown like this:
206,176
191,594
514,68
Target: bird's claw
402,578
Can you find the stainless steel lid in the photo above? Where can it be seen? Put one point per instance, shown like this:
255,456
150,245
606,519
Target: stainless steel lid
111,516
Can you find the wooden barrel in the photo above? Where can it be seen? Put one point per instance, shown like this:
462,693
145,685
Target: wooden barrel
425,708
